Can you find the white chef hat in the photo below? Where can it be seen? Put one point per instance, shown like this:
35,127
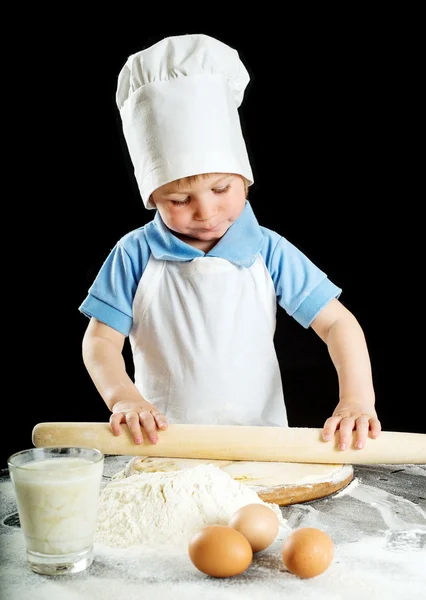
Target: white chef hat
178,101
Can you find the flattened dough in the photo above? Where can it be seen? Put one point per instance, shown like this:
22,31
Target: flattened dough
258,475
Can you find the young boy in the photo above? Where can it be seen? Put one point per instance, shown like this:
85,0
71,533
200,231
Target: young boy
196,289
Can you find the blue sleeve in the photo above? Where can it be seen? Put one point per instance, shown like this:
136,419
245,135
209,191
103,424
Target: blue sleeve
110,297
302,289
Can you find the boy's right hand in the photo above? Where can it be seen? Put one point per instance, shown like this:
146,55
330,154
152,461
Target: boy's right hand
142,419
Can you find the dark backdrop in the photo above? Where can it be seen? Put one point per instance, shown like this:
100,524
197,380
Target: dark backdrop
331,118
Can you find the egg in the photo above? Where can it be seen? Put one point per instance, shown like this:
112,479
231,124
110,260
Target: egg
307,552
258,523
220,551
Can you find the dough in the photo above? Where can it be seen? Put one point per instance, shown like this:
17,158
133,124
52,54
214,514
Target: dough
257,475
166,508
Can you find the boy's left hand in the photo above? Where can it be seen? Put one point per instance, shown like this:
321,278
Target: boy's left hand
347,417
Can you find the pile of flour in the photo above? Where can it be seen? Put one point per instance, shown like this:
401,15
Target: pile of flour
155,509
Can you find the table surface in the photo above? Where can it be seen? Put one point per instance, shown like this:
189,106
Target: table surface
377,523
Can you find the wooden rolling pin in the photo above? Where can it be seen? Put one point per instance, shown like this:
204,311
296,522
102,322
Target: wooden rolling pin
237,442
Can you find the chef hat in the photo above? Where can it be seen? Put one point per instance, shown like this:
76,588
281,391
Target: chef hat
178,101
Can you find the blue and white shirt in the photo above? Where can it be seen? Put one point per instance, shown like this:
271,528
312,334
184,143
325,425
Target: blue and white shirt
201,325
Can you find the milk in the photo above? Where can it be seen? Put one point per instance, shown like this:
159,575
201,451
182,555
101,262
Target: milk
57,503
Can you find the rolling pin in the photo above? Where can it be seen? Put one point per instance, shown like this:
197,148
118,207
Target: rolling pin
237,442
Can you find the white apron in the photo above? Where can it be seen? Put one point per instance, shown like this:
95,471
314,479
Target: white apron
202,342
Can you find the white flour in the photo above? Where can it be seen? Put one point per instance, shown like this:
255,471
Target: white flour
158,509
347,489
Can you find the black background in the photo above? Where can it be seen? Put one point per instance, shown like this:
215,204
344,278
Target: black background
332,121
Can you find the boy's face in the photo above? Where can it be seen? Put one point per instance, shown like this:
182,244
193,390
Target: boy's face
200,210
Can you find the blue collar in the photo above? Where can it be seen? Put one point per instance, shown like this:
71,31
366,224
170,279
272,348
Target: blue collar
240,244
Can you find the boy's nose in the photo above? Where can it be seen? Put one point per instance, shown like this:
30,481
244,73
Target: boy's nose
205,211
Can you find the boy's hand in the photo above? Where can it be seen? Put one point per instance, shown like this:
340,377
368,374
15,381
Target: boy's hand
141,418
350,416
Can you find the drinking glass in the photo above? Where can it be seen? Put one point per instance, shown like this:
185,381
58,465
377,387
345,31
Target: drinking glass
57,493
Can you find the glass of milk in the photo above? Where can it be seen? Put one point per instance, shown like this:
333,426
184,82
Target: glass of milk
57,493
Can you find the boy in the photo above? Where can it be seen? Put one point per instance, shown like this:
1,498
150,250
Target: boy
196,289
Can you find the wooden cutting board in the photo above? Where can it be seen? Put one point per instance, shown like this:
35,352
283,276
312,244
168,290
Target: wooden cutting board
280,483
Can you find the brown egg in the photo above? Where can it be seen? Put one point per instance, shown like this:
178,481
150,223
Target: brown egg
258,523
220,551
307,552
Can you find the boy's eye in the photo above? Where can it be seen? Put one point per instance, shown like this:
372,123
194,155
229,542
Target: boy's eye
222,190
180,202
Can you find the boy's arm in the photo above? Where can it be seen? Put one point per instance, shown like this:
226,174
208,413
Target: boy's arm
347,347
104,361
